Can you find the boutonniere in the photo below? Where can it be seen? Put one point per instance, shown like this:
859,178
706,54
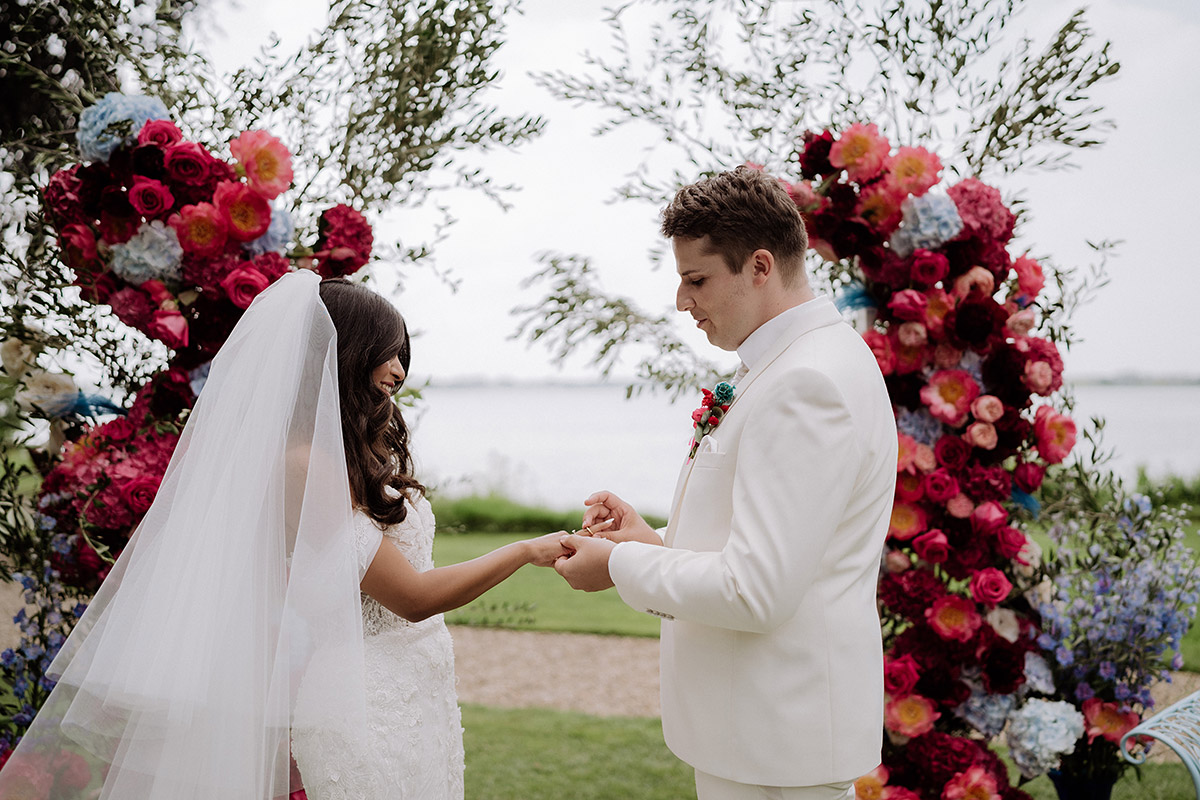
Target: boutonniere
708,416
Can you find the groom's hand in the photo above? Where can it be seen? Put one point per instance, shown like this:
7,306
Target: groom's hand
587,566
628,525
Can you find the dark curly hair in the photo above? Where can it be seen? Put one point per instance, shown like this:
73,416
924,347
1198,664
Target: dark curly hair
370,332
741,211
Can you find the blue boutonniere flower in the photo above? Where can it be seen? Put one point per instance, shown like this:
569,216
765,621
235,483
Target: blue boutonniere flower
708,416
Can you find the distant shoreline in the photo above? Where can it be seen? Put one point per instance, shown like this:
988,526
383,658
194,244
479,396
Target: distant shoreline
478,382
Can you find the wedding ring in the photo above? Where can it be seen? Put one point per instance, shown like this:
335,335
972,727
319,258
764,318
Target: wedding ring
589,530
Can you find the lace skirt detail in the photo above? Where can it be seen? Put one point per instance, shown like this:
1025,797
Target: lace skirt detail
414,748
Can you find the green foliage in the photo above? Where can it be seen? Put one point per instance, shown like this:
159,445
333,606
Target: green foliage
1173,490
495,513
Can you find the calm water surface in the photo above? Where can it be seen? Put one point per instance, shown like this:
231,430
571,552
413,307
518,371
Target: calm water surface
555,444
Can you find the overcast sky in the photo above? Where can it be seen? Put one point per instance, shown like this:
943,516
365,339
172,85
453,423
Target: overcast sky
1138,188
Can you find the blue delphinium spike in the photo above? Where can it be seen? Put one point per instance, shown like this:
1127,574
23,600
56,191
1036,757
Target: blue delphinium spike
852,297
1027,502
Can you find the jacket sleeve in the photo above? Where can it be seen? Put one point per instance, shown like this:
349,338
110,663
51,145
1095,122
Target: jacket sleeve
795,469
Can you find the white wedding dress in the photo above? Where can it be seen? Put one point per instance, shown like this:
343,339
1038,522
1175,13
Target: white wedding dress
413,749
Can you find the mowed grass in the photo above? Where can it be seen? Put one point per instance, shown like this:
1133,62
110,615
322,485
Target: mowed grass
537,598
536,754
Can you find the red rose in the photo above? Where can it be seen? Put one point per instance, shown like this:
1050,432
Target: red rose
188,163
952,452
940,485
900,676
161,132
814,158
139,493
1028,476
150,197
989,586
243,285
714,419
1010,541
170,328
62,197
929,268
78,244
932,546
118,430
909,304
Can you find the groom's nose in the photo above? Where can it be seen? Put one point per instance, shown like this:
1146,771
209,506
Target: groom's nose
683,300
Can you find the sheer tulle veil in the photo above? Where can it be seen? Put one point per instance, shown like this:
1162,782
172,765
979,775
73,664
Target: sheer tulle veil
233,615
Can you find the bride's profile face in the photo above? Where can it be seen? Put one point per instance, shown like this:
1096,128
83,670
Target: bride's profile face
389,375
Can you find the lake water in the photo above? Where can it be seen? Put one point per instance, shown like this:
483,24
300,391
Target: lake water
555,444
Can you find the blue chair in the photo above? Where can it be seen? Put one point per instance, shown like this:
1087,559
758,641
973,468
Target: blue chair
1178,727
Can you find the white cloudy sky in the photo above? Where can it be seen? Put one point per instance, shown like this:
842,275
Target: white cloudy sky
1137,189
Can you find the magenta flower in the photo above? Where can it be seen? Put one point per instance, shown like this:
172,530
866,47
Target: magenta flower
949,395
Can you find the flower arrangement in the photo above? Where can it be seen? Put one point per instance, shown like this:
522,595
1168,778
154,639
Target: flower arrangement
177,241
972,386
708,416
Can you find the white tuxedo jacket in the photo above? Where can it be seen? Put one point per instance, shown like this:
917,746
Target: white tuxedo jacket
772,657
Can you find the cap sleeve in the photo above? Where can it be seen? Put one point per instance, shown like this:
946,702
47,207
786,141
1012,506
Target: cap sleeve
367,538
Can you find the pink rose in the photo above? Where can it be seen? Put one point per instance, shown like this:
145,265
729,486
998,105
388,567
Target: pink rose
960,506
940,486
990,587
1039,376
987,408
912,334
1022,322
982,435
900,676
151,198
909,304
881,346
139,493
988,517
243,285
1010,542
929,268
160,132
896,561
975,279
170,328
925,460
1055,434
932,546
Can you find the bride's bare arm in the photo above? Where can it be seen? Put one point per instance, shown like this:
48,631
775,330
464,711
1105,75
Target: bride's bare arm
417,595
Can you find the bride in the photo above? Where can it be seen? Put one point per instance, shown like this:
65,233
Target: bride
279,597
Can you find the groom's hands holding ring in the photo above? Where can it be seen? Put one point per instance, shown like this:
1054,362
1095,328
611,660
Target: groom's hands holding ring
586,568
628,525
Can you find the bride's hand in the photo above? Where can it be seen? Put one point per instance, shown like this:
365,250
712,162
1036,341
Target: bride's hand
542,551
627,524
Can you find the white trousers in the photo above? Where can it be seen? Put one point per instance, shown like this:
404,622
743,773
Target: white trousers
710,787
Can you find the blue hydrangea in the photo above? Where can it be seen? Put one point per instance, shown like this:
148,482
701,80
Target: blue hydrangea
1041,732
1038,675
198,377
154,253
929,221
114,121
278,236
920,425
985,712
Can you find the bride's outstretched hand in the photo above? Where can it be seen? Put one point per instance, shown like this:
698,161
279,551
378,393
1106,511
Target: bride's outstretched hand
626,525
544,550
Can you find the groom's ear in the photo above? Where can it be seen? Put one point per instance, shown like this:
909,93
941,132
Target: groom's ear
762,265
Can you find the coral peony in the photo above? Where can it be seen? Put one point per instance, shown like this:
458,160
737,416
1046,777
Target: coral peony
881,346
861,150
247,214
911,715
974,784
1107,720
879,205
870,786
907,521
201,228
267,163
949,395
913,170
954,617
1055,434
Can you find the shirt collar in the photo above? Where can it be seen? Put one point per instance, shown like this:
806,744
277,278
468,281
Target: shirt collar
764,336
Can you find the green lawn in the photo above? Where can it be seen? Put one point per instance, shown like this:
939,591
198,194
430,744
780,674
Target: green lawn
533,754
537,598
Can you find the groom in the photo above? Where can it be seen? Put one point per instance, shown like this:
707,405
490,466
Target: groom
772,660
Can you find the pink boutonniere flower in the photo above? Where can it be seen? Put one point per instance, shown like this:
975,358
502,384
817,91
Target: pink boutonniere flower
708,416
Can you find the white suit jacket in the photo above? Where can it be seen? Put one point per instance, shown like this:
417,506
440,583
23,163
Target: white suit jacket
772,657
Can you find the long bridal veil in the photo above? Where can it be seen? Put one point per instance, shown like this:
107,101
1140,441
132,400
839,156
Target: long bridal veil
233,615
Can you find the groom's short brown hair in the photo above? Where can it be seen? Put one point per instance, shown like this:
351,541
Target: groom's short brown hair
741,211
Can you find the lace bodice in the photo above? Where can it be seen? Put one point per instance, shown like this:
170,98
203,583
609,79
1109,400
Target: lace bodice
414,539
